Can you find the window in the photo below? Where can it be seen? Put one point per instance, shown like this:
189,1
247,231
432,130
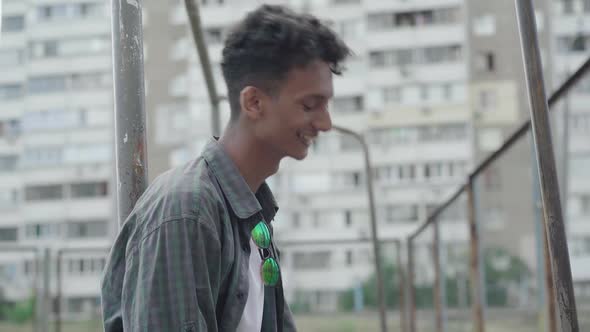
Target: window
585,204
214,35
488,100
89,81
381,21
407,172
348,257
433,170
47,84
347,218
11,57
8,163
8,234
86,229
486,62
401,213
11,91
349,143
311,260
44,192
345,2
43,230
8,198
424,92
91,189
392,94
42,156
568,6
484,25
348,104
13,23
447,89
296,220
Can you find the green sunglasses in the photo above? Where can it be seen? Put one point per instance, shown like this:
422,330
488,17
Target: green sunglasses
269,270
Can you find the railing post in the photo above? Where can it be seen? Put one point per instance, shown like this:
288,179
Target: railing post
402,287
58,296
552,212
129,93
411,288
45,292
474,262
438,300
549,287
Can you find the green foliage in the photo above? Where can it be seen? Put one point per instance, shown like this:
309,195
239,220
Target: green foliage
501,269
20,312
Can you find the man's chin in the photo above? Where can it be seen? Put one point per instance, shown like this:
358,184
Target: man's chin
300,155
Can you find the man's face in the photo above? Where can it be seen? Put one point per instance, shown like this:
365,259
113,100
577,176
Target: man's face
295,116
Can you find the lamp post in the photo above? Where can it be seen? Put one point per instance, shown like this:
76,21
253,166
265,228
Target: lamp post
373,216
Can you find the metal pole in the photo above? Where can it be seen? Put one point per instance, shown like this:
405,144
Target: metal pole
474,262
373,216
129,92
554,226
58,295
411,288
565,161
546,290
549,287
45,293
437,278
194,17
37,291
402,286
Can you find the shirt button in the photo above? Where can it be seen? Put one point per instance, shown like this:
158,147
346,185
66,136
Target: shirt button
246,248
240,296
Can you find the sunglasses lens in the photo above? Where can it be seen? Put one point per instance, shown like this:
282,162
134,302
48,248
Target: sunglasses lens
270,272
261,235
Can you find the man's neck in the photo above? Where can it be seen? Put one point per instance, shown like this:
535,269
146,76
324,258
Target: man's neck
253,162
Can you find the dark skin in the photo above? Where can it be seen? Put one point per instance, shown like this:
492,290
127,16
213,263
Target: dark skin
272,127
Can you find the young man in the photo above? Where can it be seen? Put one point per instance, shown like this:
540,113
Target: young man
197,253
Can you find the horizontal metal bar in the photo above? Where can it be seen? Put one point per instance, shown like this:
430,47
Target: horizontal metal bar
515,136
524,128
333,242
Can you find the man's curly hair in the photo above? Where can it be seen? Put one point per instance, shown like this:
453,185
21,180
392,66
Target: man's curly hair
269,42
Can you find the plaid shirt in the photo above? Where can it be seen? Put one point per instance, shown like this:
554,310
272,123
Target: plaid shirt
180,261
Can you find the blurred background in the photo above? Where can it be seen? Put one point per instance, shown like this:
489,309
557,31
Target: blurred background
434,86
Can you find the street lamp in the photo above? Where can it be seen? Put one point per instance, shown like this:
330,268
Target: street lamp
373,216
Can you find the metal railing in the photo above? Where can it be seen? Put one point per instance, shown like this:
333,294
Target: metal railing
556,253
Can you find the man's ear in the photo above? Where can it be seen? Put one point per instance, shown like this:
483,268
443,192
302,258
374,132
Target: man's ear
251,102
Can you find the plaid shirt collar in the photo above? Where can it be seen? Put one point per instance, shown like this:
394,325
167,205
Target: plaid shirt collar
243,201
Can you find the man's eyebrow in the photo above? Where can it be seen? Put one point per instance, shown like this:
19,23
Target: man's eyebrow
315,97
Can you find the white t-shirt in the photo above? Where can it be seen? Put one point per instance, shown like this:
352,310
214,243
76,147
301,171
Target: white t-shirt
252,317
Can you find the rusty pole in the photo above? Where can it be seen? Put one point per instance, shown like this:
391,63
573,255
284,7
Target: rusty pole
402,287
58,297
474,262
373,216
554,225
129,104
411,288
194,18
549,288
438,301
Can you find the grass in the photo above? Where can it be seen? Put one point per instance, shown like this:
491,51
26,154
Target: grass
457,321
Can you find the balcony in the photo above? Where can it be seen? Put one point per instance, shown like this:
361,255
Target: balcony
411,37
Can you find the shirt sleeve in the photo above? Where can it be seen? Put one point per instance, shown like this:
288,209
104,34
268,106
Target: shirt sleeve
172,279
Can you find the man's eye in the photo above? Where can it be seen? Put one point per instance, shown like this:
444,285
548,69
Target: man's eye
306,108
